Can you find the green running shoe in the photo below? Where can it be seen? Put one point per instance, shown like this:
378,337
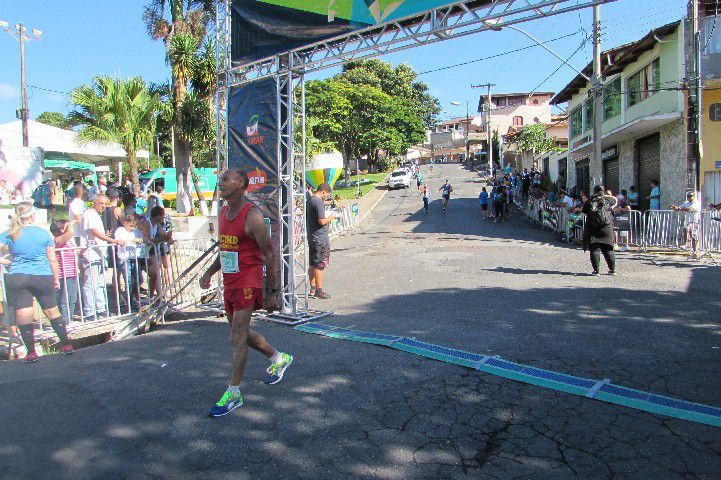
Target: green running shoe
227,403
276,371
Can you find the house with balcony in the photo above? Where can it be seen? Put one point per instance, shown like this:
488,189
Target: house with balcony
510,112
710,164
643,129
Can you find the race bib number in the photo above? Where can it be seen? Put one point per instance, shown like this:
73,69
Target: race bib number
229,262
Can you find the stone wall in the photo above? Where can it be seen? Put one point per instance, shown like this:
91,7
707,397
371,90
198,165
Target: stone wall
673,164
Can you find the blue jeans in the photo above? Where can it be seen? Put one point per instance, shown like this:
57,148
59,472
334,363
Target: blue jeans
129,270
68,297
94,290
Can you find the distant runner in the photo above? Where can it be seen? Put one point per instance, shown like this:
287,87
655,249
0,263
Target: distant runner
447,189
426,197
245,248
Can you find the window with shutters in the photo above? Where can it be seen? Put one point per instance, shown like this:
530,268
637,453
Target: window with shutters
588,115
644,83
612,99
518,121
575,123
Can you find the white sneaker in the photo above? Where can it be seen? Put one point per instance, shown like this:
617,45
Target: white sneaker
624,249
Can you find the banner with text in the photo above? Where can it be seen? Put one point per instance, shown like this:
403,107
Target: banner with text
263,28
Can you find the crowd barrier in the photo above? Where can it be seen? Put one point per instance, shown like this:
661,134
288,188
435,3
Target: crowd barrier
659,229
347,218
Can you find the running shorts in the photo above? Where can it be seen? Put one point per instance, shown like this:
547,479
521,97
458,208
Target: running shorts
21,288
484,207
241,299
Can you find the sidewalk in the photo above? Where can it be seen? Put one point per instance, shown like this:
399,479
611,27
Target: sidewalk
367,203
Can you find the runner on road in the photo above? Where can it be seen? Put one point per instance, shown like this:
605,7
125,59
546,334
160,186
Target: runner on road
426,197
245,248
447,189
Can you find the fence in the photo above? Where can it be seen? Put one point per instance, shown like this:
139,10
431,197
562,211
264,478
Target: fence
347,217
659,229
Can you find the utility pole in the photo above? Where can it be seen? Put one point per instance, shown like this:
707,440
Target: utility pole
20,33
597,92
694,109
489,133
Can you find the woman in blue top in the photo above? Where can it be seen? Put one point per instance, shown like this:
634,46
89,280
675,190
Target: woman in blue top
33,272
483,198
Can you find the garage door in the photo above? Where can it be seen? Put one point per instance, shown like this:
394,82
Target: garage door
648,160
610,175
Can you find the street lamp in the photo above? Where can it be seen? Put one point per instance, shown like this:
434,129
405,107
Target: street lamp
468,127
20,33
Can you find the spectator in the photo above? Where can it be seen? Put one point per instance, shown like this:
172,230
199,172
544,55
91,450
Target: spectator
633,198
76,210
622,222
33,273
92,191
15,344
655,196
598,233
57,193
94,258
483,199
692,207
318,239
5,192
499,204
113,213
128,257
566,201
159,238
66,253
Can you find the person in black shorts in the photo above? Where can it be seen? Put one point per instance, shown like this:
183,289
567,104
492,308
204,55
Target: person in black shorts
318,241
33,273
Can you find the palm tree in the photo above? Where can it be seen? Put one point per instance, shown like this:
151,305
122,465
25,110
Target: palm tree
116,110
182,32
198,130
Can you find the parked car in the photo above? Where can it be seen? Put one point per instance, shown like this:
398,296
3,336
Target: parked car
400,178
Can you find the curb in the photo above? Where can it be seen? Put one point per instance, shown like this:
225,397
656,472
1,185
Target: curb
365,215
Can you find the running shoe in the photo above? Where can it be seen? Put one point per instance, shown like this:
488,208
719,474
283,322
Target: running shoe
276,371
311,293
595,274
67,349
612,273
321,294
227,403
31,357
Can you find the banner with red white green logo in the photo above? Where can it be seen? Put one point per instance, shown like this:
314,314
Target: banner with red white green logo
253,141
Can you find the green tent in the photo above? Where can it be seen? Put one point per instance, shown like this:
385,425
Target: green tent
64,162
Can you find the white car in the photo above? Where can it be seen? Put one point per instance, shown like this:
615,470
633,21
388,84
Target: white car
400,178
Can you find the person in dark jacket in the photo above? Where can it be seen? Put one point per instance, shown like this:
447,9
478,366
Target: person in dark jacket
598,234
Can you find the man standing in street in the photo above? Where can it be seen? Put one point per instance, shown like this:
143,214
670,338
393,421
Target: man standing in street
96,241
655,196
692,207
318,241
245,248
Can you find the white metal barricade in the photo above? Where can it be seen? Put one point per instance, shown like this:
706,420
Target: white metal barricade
665,229
710,231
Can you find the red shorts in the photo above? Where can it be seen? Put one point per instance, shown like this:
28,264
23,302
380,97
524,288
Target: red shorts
242,299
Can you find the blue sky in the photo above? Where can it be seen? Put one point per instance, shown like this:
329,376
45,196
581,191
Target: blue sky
82,39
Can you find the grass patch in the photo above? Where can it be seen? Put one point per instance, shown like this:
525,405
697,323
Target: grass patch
350,193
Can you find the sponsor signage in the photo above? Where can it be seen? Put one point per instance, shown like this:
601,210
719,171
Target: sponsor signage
264,28
609,153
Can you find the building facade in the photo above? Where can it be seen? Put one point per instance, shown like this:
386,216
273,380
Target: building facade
643,129
710,164
509,113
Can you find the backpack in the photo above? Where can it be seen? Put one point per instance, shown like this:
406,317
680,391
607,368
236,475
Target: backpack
600,217
42,198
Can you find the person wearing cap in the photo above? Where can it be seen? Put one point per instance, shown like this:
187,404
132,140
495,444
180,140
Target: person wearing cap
318,240
32,274
692,207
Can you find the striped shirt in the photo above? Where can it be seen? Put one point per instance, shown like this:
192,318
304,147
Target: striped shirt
67,255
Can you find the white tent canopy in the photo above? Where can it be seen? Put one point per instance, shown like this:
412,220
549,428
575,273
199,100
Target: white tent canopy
54,139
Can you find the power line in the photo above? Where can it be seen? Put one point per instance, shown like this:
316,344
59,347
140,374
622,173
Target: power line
490,57
35,87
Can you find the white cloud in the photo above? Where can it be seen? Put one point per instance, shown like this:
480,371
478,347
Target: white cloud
8,91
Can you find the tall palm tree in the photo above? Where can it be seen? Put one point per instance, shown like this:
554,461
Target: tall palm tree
181,25
116,110
198,130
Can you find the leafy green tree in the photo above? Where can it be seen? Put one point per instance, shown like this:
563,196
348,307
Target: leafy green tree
116,110
54,119
533,139
182,25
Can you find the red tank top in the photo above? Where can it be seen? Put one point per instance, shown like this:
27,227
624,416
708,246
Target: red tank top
241,260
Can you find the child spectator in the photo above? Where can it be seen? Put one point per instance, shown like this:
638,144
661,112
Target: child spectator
128,257
65,250
483,198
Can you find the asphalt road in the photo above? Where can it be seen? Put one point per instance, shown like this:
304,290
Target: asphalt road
136,408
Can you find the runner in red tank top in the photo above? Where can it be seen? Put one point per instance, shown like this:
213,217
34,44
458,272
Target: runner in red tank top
245,248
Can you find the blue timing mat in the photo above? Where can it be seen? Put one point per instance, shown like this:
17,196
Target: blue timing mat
597,389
